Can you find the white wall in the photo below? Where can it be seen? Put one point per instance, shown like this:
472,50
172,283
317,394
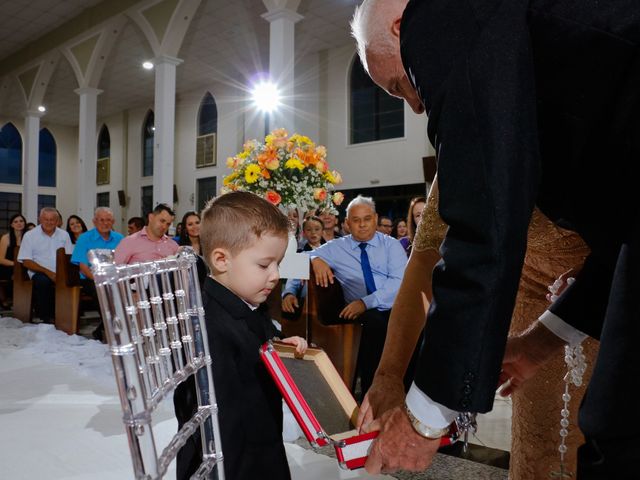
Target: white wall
391,162
322,103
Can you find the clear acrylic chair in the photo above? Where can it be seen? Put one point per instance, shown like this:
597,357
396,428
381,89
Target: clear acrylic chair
155,328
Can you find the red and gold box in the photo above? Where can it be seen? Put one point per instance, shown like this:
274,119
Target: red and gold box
320,401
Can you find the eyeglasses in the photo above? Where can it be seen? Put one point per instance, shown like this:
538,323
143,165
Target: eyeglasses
386,225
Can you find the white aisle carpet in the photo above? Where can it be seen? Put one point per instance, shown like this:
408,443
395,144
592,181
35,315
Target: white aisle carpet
60,415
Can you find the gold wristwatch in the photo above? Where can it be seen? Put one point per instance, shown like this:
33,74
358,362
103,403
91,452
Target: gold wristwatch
425,430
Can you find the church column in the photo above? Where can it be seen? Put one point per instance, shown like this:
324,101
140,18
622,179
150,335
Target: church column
30,168
281,62
87,152
164,122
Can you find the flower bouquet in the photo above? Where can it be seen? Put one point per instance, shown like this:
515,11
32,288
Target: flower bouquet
289,171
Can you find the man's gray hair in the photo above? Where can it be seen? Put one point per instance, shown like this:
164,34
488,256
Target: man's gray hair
44,210
369,26
101,210
360,200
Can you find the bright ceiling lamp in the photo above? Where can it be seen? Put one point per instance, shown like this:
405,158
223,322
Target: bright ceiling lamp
266,96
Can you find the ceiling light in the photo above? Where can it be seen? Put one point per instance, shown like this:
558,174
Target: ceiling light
266,96
42,108
147,65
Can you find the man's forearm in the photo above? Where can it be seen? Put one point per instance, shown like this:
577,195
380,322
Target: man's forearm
86,271
36,267
408,314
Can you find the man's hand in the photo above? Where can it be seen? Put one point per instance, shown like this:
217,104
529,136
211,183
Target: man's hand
561,284
399,447
353,310
386,392
51,275
290,303
322,271
525,354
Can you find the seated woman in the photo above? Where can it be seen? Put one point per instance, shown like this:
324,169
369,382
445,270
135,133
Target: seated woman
75,227
190,236
413,218
312,229
8,242
400,232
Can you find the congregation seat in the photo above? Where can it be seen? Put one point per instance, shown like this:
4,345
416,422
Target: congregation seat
22,292
68,293
319,323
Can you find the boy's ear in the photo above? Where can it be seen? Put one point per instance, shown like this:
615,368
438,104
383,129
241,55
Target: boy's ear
220,259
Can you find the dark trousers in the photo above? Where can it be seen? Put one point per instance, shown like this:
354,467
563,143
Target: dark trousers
44,297
374,332
608,410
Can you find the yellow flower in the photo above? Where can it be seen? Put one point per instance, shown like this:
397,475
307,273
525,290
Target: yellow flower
252,173
336,177
294,163
231,162
268,140
230,178
243,155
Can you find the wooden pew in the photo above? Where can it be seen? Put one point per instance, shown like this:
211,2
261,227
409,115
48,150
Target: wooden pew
339,338
22,292
318,322
67,293
293,324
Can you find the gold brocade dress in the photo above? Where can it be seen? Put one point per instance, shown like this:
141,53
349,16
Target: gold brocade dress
551,251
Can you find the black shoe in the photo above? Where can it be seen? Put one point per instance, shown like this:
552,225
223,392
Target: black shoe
98,334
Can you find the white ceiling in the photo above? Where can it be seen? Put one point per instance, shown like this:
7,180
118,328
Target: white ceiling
227,42
24,21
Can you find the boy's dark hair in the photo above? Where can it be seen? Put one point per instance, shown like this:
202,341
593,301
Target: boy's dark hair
235,220
163,207
137,221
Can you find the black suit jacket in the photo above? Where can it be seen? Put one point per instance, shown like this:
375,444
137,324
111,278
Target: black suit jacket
250,405
528,101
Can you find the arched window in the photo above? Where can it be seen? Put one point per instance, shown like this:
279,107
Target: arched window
207,132
104,157
148,132
10,155
47,159
375,115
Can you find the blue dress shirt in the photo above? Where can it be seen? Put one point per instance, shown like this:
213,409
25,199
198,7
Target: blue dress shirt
92,239
388,261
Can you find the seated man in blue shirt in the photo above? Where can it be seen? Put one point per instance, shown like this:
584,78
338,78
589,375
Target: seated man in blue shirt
102,236
369,267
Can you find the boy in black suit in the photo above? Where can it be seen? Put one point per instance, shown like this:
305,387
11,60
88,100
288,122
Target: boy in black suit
243,239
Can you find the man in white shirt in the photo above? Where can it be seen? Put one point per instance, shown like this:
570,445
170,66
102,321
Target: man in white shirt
38,254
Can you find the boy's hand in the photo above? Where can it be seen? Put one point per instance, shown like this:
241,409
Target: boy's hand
299,342
290,303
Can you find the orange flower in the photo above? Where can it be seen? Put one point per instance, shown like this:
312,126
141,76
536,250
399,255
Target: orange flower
322,166
338,198
306,157
269,158
265,173
273,197
320,194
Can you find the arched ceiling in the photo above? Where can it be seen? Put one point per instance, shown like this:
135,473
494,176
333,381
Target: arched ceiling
227,42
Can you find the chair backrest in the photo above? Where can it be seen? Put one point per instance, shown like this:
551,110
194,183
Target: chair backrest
154,323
